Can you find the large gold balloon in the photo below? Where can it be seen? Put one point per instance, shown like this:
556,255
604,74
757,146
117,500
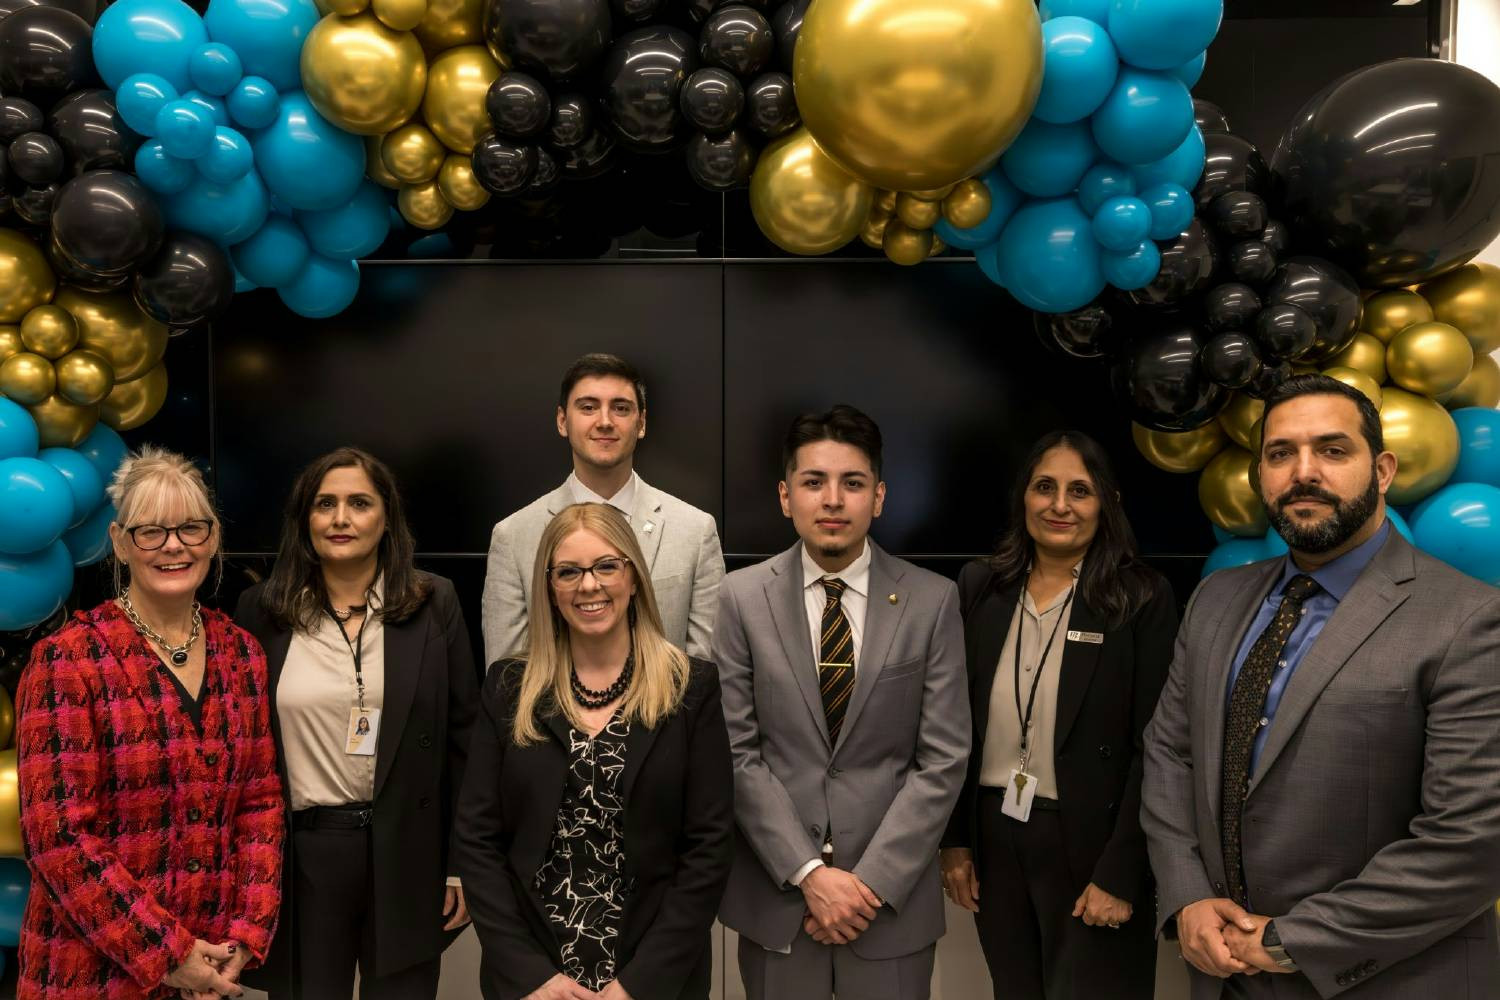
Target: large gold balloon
25,279
1481,388
1388,313
1187,451
131,404
63,424
11,845
1241,421
400,15
49,331
412,154
10,341
423,205
113,326
917,94
83,376
449,23
1430,358
7,718
803,201
1424,439
968,204
1469,298
375,167
457,183
904,245
1356,379
361,75
916,213
454,106
27,378
1227,494
1365,353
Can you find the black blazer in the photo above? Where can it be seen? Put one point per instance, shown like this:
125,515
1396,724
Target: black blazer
678,792
430,690
1106,694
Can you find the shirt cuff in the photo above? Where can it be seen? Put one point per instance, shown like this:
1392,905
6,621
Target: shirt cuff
454,882
801,873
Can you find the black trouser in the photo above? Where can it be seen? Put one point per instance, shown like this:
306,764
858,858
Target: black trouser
1034,946
333,921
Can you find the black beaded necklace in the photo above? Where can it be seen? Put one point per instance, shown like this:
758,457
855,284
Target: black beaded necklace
591,699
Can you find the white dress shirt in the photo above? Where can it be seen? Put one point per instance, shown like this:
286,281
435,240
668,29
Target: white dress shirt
623,501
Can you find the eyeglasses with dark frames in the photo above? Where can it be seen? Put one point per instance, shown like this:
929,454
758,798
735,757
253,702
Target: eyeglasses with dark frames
150,537
606,571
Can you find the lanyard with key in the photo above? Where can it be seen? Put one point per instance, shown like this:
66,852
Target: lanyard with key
1025,719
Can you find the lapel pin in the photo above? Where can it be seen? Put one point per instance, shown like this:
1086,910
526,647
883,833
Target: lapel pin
893,598
648,527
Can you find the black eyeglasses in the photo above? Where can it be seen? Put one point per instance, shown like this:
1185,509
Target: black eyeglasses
150,537
606,570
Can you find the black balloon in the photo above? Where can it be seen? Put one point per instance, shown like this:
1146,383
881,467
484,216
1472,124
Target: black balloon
36,158
1284,331
188,282
1238,213
1090,332
546,176
1230,164
17,117
1267,379
1252,261
720,163
1187,268
86,9
45,53
106,223
1327,294
502,166
590,158
1391,171
1230,306
771,105
518,105
1230,359
70,273
787,23
1276,236
737,38
636,10
1161,382
572,121
35,204
559,38
698,10
92,133
1209,116
642,77
712,99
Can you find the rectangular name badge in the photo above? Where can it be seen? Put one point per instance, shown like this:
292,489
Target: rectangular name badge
364,730
1093,638
1019,792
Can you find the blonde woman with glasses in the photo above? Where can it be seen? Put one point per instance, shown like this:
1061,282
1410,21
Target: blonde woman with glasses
594,826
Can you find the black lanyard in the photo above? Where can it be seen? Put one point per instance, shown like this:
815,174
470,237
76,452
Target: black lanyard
356,647
1040,666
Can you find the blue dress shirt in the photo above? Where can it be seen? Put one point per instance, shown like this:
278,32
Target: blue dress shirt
1335,579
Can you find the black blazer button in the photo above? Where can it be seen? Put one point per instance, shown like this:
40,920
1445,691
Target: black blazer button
816,831
1105,752
424,741
424,802
834,772
1341,979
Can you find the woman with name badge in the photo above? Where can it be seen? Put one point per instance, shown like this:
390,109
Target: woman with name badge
1068,637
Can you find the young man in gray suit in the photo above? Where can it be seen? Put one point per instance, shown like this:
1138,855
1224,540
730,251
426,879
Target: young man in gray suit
601,410
1320,797
844,691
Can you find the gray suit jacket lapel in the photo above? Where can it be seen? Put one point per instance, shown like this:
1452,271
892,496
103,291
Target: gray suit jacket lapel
557,500
881,620
784,596
647,522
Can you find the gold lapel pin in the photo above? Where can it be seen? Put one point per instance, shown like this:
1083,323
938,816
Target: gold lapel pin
893,598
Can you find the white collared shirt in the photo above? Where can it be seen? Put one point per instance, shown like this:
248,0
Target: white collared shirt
623,501
855,599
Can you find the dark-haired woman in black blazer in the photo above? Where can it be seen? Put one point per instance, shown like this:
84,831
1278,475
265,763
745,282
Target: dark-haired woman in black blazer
1069,637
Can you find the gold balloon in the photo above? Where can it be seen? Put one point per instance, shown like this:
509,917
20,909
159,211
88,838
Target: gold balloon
1481,388
11,845
348,8
423,205
412,154
1241,421
63,424
457,81
968,205
113,326
7,718
375,167
803,201
131,404
1188,451
49,331
1228,495
361,75
1469,298
27,378
916,213
10,341
1388,313
905,245
1424,439
1356,379
449,23
934,194
400,15
885,201
460,189
1431,358
873,233
1365,353
84,377
25,279
915,95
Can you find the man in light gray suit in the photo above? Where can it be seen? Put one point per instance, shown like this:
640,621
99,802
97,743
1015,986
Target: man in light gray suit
844,691
1321,800
601,410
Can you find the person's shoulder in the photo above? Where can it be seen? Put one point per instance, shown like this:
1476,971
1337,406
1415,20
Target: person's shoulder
753,577
440,589
537,509
679,509
1441,584
504,675
922,583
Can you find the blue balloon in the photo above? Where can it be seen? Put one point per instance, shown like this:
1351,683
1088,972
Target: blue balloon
1171,210
350,231
140,98
225,213
89,542
1132,269
274,256
1161,34
988,259
1460,524
15,886
1145,117
324,287
229,159
1121,224
84,481
1478,446
1048,257
1182,166
161,171
1048,160
1191,71
1095,10
253,103
1004,199
18,433
243,284
1102,182
36,505
1079,69
147,36
215,68
184,129
105,451
215,106
267,34
1236,552
307,162
1220,535
1399,523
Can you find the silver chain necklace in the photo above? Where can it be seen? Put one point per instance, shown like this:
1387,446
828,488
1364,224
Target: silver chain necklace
177,654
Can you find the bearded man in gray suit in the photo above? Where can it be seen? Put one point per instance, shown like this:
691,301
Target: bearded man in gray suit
842,670
1320,798
601,410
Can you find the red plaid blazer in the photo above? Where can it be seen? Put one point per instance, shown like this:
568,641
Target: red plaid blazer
142,834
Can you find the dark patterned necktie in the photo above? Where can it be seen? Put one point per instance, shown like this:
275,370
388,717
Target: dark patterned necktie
835,659
1246,703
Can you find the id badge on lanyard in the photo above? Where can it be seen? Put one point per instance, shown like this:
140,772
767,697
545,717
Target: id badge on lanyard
364,723
1020,789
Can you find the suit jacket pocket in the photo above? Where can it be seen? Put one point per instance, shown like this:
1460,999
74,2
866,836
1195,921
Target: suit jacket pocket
1349,694
897,671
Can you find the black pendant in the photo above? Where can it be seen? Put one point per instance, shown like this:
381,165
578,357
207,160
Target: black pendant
179,657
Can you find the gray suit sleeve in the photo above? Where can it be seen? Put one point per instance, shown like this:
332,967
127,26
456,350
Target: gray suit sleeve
504,601
1416,891
764,811
1167,787
708,574
907,838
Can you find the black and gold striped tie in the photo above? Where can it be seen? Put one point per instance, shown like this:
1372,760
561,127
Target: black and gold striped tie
836,659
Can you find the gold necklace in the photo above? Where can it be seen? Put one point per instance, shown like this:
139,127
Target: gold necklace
177,654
